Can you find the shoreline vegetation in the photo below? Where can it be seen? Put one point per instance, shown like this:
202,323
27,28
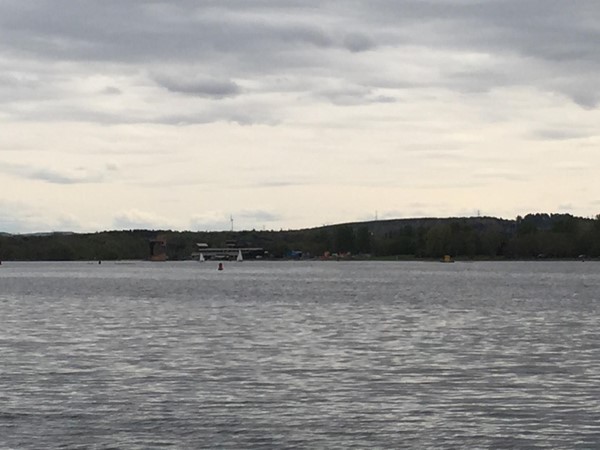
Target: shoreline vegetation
532,237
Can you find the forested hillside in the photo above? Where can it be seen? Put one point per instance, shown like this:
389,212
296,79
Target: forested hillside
532,236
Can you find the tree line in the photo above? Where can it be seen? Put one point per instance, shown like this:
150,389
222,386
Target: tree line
531,236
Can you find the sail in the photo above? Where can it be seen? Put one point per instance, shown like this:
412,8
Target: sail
239,256
201,258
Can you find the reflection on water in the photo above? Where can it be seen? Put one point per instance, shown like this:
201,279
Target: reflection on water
311,355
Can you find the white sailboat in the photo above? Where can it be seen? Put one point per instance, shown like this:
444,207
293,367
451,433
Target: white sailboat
239,256
201,258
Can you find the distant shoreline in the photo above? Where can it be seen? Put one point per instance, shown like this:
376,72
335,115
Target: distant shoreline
533,237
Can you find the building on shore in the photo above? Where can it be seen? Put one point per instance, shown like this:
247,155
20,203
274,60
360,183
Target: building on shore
158,249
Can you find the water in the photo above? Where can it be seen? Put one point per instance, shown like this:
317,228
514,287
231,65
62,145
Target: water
300,355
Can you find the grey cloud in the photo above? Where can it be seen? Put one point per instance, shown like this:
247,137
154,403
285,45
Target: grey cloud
200,86
352,95
358,42
544,38
546,44
54,176
58,177
17,85
549,29
383,99
111,90
587,100
142,31
17,79
234,110
560,134
477,80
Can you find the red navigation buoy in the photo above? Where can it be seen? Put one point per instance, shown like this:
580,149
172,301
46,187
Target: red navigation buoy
220,266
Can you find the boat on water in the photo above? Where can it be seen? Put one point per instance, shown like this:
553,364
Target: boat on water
227,253
201,258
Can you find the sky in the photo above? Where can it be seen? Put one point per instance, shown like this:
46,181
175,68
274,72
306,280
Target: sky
183,115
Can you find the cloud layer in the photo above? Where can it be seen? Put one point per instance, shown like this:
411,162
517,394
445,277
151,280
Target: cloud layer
387,102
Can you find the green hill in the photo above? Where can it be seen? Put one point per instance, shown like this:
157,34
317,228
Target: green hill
532,236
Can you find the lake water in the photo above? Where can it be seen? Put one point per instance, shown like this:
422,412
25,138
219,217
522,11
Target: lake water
300,355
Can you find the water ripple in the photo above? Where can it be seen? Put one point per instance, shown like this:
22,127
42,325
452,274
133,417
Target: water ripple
300,355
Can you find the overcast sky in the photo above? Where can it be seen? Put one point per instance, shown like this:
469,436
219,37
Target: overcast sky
118,114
